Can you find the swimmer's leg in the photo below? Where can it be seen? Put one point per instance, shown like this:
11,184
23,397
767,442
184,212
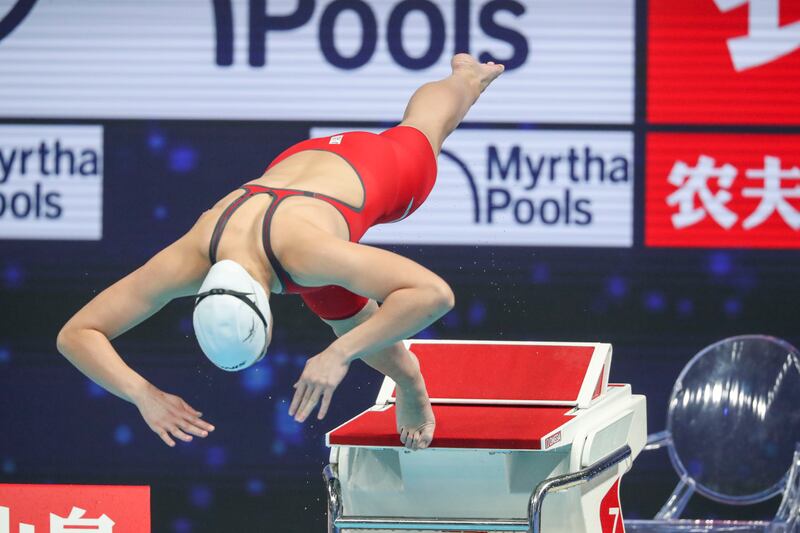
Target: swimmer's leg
437,108
415,420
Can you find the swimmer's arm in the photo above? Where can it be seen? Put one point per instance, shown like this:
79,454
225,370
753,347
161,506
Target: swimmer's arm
85,340
413,297
394,361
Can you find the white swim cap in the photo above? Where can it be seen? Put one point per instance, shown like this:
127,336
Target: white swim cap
232,319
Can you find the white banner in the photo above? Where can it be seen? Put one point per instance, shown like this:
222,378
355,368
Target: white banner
51,182
525,188
569,61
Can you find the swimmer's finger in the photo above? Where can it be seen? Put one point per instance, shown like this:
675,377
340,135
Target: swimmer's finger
190,409
165,437
196,421
197,431
178,434
203,424
326,402
308,392
309,403
299,391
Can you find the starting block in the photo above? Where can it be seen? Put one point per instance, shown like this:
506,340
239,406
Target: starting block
529,436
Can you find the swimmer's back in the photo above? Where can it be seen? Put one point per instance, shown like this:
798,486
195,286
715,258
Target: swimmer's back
371,178
385,177
315,171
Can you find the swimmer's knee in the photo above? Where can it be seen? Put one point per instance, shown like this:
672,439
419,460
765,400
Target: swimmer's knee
65,338
62,341
444,298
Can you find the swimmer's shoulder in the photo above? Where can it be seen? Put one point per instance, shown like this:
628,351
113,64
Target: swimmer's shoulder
195,242
203,227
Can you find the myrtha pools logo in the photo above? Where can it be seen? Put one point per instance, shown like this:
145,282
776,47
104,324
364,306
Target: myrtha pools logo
512,177
51,182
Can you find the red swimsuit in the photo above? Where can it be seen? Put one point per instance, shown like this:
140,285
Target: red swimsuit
397,169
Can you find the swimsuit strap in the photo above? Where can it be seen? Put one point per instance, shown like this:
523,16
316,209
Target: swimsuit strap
286,279
278,195
223,221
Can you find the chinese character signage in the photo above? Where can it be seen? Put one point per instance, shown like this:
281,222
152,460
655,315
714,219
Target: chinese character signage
724,61
768,38
723,190
74,509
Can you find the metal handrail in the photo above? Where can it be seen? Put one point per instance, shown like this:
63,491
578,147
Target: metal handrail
567,481
532,525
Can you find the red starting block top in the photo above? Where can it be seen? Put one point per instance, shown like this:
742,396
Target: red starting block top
492,395
460,426
472,372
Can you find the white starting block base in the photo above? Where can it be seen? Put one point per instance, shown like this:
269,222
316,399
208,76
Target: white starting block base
425,482
482,474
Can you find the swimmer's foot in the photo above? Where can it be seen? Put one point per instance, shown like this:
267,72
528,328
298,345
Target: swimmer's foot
415,420
482,73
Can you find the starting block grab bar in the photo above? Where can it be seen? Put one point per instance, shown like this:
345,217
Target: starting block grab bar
563,482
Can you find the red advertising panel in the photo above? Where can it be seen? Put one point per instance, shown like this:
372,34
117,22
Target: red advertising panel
74,508
723,190
724,61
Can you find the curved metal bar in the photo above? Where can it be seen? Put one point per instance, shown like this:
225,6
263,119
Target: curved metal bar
334,488
566,481
676,503
658,440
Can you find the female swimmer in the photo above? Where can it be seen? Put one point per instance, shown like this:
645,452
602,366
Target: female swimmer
296,230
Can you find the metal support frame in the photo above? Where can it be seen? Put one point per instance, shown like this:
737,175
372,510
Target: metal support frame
338,521
786,520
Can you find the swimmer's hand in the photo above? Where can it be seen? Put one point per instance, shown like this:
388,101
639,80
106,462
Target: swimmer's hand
167,414
321,376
